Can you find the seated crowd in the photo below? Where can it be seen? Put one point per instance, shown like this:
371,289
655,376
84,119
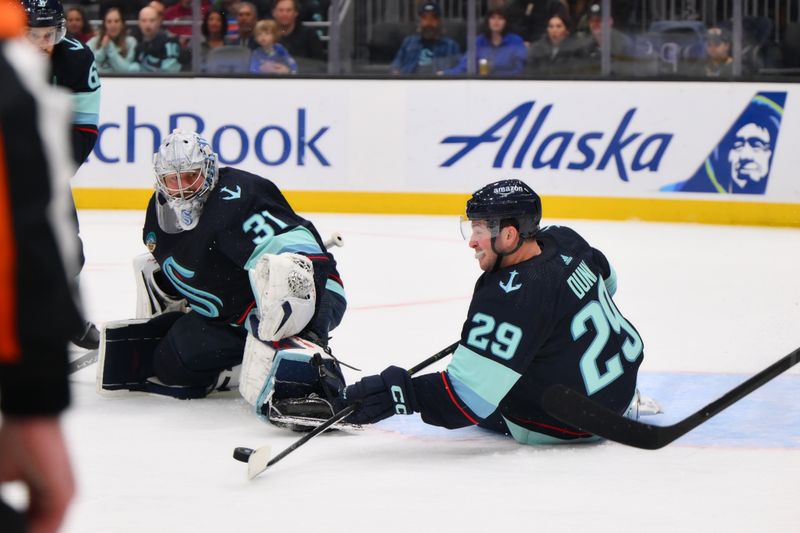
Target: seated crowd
517,38
257,37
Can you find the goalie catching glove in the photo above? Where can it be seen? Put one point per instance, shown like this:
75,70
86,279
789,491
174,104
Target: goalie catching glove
389,393
283,286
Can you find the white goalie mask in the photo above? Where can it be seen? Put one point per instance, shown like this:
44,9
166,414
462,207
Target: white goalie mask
186,172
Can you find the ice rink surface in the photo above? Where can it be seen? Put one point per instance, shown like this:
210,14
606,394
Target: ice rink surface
714,305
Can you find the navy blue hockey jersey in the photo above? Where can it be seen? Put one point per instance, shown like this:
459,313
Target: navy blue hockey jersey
550,319
245,216
74,69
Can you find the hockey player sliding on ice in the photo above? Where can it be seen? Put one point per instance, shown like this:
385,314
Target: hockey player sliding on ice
73,68
257,279
541,313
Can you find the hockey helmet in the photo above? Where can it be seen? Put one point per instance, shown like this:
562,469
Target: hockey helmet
504,203
46,14
183,152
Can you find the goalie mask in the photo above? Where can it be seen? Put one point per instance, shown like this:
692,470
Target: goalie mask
186,172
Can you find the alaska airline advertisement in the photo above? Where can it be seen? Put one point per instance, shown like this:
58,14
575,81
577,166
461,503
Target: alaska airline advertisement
619,139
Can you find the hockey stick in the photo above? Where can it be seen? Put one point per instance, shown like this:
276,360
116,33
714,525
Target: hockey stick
577,410
89,358
259,460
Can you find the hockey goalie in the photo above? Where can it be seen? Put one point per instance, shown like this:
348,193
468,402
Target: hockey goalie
232,274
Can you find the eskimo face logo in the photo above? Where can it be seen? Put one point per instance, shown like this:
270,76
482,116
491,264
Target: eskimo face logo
750,154
742,160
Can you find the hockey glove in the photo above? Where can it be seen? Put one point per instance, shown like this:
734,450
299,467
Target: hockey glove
389,393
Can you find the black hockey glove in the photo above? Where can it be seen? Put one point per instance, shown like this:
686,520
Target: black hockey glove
389,393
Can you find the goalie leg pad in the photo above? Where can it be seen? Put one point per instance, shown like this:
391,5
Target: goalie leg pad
126,351
143,356
296,382
285,294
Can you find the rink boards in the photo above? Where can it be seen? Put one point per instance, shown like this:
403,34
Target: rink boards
701,152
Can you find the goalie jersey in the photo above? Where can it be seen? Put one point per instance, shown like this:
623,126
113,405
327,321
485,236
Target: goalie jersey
550,319
244,217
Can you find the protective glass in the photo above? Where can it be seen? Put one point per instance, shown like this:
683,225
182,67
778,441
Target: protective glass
45,37
474,229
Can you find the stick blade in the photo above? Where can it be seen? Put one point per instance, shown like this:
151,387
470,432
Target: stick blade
584,413
258,461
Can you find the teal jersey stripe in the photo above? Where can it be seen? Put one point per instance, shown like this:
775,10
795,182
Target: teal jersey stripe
526,436
476,404
479,377
611,282
296,240
86,108
334,287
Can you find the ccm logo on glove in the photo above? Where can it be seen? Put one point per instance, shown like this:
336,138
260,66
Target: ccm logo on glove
381,396
399,401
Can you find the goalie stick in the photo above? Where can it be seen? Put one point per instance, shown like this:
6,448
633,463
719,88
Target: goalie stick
582,412
259,460
89,358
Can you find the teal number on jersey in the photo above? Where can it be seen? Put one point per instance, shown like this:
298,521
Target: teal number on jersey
94,78
502,344
263,229
605,318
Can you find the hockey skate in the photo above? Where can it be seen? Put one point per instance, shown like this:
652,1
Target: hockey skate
304,412
642,405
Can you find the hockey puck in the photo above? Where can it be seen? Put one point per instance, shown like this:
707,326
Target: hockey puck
242,454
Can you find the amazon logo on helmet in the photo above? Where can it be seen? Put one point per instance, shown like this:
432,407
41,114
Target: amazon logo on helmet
504,203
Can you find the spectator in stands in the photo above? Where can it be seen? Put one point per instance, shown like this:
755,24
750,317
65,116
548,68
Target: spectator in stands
158,51
621,44
78,25
270,57
528,18
181,12
719,63
299,40
554,53
499,52
214,29
246,18
157,5
113,48
428,51
229,9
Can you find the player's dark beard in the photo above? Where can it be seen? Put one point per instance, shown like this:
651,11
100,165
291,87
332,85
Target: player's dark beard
430,33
